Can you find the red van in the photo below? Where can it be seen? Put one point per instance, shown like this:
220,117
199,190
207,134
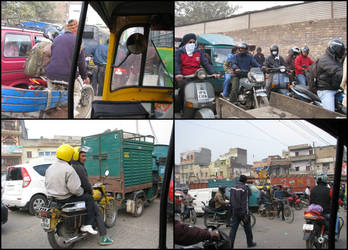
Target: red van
16,43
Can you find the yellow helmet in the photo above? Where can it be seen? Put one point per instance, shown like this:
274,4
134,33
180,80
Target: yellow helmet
65,152
76,153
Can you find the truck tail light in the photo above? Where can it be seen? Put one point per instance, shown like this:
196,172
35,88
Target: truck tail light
26,178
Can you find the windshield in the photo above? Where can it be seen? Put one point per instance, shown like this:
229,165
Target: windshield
158,63
220,54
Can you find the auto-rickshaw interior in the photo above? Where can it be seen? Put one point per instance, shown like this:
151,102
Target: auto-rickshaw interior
139,71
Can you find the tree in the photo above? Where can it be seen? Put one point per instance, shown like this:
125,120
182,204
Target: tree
15,12
199,11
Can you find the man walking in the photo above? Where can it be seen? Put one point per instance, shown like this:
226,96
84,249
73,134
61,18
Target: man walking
239,199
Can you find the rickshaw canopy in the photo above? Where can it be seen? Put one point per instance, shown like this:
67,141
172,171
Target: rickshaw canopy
215,39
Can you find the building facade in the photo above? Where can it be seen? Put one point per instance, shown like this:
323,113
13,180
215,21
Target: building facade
12,134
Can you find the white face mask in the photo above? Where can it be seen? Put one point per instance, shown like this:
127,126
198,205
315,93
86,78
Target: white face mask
274,53
190,48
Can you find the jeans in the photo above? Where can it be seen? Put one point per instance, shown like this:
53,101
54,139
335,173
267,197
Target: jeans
234,91
89,205
327,222
226,86
301,79
98,80
247,229
327,98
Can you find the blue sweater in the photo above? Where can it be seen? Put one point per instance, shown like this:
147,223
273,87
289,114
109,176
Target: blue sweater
61,58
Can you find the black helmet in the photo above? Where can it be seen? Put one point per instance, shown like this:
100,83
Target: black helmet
305,49
308,186
185,189
274,47
243,45
222,188
336,47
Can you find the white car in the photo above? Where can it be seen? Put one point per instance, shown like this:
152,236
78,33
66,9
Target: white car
202,194
25,186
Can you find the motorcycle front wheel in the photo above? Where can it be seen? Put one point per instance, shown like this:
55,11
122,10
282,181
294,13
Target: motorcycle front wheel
87,96
298,206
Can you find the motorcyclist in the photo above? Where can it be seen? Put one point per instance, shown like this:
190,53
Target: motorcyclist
186,201
220,200
63,183
290,61
321,195
264,196
228,73
188,59
301,65
330,72
273,61
241,61
78,162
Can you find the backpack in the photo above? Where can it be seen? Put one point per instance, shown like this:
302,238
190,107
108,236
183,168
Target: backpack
33,64
312,77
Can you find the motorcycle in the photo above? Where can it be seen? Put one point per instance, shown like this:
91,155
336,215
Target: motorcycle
270,209
62,221
199,96
280,82
251,91
295,201
315,233
192,217
222,243
216,219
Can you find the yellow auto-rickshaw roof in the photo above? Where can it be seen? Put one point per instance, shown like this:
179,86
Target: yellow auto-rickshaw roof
109,9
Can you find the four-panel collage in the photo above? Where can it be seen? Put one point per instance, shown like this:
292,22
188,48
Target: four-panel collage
173,124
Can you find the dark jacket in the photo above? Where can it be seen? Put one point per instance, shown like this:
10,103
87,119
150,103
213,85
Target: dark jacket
290,62
100,53
271,62
61,58
239,198
320,195
82,173
186,235
260,58
330,72
182,61
244,62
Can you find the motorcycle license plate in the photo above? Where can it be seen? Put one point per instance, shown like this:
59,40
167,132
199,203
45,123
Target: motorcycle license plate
45,223
202,94
308,227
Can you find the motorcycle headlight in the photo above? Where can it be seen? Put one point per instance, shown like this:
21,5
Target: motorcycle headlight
201,74
259,78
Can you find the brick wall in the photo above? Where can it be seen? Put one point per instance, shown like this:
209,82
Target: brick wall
314,34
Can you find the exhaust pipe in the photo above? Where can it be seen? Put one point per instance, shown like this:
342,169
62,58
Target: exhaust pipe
75,238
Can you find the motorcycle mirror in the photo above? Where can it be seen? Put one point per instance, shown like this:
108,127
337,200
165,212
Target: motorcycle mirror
107,172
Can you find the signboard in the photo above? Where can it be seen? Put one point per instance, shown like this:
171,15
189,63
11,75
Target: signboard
11,149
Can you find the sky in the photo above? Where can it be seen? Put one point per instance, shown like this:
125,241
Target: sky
261,138
49,128
259,5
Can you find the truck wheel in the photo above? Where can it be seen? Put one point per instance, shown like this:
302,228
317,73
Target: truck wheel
36,202
139,207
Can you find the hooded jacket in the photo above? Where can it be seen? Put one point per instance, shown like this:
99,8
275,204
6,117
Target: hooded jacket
62,181
82,173
301,60
329,71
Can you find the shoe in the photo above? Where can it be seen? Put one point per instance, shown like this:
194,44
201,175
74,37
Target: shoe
88,229
252,244
105,240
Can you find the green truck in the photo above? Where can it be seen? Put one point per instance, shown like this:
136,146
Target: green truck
128,157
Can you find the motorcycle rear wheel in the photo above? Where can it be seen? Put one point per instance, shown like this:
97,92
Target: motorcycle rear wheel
209,220
57,241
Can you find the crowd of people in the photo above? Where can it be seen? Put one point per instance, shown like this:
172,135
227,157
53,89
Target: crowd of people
330,73
238,209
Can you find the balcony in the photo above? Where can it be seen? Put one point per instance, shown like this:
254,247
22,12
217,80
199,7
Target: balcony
302,157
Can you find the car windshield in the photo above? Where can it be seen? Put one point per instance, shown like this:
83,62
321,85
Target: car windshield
220,54
158,62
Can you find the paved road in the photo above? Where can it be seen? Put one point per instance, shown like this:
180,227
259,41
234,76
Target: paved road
278,234
23,231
